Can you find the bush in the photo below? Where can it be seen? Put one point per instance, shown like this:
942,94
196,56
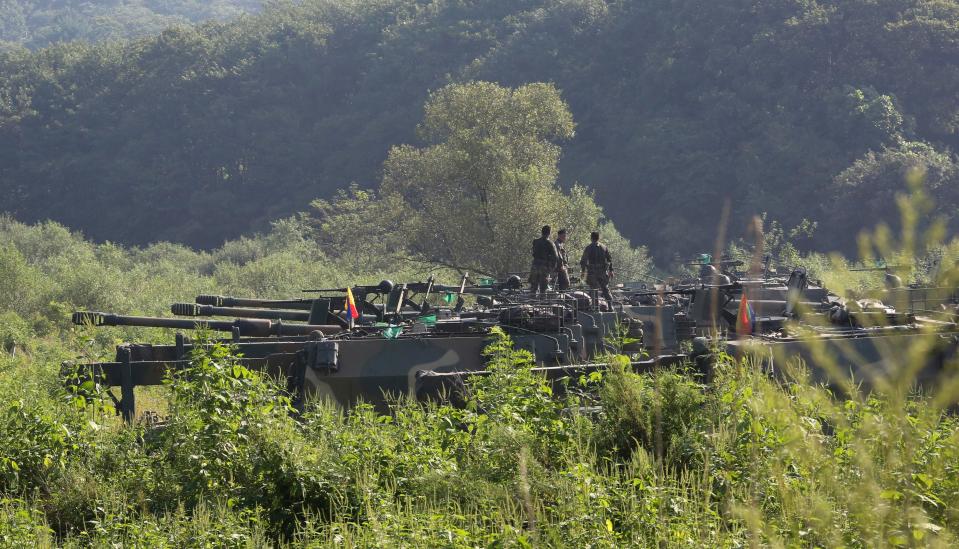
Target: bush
231,439
657,412
22,525
202,527
513,397
23,289
14,332
35,443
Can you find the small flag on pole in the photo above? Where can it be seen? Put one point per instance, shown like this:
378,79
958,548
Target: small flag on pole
746,318
352,313
392,332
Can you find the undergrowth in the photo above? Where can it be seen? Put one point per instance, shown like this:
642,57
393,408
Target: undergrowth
666,461
620,459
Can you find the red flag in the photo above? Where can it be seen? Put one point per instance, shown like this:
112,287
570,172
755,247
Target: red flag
746,318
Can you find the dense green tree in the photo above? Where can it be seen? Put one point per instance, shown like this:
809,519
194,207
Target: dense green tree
867,189
476,194
487,178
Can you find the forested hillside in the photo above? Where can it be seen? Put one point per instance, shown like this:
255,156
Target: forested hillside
798,108
38,23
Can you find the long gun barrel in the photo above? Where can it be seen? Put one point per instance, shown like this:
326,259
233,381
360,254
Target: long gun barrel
193,309
733,262
226,301
689,291
418,287
375,288
664,292
247,327
877,269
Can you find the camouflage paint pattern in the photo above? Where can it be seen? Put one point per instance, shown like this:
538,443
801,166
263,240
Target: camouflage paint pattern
876,362
371,369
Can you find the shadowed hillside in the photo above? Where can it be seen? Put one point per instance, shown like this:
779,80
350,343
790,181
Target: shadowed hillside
798,108
38,23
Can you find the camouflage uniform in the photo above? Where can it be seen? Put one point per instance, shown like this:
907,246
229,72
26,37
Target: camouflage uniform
598,265
562,267
545,259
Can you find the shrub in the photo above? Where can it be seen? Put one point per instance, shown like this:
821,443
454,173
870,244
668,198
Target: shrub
656,412
35,443
231,439
512,396
202,527
22,525
15,333
23,289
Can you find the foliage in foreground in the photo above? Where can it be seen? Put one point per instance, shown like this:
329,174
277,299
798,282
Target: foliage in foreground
637,460
668,460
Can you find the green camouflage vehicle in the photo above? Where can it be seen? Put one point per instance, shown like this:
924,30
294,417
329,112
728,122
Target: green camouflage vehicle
424,339
396,337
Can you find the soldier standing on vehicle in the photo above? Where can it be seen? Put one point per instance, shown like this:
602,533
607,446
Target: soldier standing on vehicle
597,266
562,265
545,259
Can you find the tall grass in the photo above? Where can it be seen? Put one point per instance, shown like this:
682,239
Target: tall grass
659,459
745,460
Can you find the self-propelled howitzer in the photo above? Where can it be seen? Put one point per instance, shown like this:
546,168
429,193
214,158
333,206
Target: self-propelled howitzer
369,358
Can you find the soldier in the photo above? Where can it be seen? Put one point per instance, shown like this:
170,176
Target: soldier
544,262
597,266
562,266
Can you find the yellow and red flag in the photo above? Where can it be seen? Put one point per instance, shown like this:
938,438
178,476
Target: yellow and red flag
352,313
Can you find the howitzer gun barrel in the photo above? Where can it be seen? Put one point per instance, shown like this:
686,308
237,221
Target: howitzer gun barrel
664,292
733,262
193,309
247,327
416,287
227,301
878,269
472,290
689,290
475,290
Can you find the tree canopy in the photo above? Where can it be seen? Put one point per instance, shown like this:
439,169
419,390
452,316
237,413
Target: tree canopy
38,23
477,193
802,109
488,176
